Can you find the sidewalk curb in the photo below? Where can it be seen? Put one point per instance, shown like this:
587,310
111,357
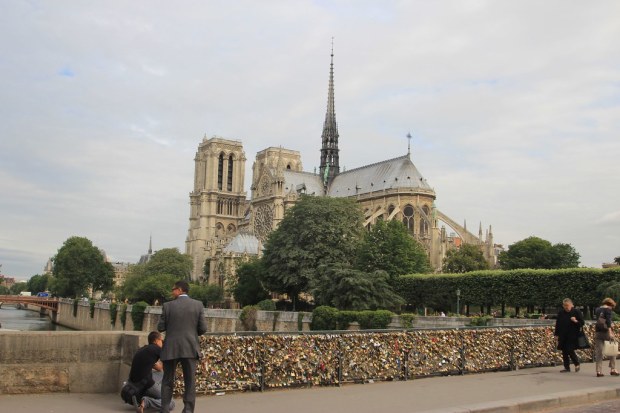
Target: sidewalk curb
536,403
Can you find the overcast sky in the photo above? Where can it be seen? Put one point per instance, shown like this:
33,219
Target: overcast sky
514,108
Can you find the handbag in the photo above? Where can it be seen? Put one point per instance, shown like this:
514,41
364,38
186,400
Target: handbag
610,348
582,340
601,322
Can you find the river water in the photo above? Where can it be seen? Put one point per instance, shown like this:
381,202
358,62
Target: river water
25,320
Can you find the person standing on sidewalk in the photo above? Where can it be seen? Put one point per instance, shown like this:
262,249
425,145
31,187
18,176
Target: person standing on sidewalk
603,332
183,321
567,325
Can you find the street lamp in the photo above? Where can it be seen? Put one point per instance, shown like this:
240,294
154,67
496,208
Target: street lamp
458,304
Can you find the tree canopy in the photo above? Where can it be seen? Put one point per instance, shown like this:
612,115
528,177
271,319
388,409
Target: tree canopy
151,282
38,283
537,253
466,258
249,289
388,247
79,266
346,288
315,231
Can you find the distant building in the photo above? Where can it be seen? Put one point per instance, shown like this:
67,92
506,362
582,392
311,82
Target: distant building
147,257
225,226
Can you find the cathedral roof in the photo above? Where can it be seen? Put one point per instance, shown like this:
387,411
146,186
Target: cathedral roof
390,174
305,182
242,243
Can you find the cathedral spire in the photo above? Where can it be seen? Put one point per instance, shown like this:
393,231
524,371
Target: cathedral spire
330,166
150,244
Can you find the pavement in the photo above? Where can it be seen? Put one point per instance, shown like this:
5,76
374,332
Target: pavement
527,390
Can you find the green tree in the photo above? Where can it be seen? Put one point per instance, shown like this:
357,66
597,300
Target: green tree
388,247
170,261
464,259
207,293
346,288
537,253
17,288
152,281
249,290
316,230
80,266
4,290
38,283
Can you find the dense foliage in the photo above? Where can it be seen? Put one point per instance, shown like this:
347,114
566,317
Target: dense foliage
341,286
79,266
537,253
518,288
152,282
329,318
207,293
38,283
249,289
466,258
315,231
388,247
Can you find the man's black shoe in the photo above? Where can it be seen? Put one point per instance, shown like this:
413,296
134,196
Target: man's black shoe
565,371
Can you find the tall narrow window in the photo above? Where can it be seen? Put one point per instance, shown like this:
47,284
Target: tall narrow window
424,221
220,172
230,173
408,217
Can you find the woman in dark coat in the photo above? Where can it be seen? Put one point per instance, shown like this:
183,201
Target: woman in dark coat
567,326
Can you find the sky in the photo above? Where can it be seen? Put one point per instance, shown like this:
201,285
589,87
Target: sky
514,109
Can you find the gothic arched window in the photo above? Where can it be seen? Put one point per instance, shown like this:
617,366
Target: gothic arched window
408,217
229,181
220,172
424,221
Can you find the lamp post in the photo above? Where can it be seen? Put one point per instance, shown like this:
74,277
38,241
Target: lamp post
458,303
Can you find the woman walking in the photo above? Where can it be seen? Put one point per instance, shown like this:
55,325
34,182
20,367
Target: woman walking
567,326
603,332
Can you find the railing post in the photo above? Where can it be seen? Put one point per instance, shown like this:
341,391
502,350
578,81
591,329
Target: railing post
406,365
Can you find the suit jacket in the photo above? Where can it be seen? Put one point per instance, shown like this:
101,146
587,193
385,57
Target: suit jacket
183,321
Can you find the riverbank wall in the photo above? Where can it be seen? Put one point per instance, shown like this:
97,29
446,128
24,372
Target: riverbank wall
98,362
65,361
80,316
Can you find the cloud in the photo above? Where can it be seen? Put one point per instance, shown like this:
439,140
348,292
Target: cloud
514,114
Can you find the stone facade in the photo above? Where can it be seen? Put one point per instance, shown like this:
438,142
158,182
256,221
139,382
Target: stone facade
393,189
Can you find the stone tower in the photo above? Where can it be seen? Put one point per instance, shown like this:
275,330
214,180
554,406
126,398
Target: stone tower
218,201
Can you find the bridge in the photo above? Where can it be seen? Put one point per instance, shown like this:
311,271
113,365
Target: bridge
41,302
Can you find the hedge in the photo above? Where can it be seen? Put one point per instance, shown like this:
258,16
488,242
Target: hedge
518,288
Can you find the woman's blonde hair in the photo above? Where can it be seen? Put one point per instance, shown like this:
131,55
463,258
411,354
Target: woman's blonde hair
608,301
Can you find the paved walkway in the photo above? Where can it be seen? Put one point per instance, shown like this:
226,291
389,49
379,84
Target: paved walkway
527,390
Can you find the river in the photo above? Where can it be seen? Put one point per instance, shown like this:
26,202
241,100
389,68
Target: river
25,320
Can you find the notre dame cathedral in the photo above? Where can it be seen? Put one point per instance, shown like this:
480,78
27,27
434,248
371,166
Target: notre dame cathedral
224,226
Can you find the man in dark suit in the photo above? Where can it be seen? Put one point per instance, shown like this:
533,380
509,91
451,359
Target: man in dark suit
183,321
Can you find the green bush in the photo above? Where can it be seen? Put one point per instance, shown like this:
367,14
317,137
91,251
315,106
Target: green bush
137,314
379,319
113,312
324,318
248,317
266,305
345,318
406,320
480,321
92,309
300,321
123,315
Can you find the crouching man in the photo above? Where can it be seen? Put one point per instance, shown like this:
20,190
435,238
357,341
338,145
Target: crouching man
146,373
